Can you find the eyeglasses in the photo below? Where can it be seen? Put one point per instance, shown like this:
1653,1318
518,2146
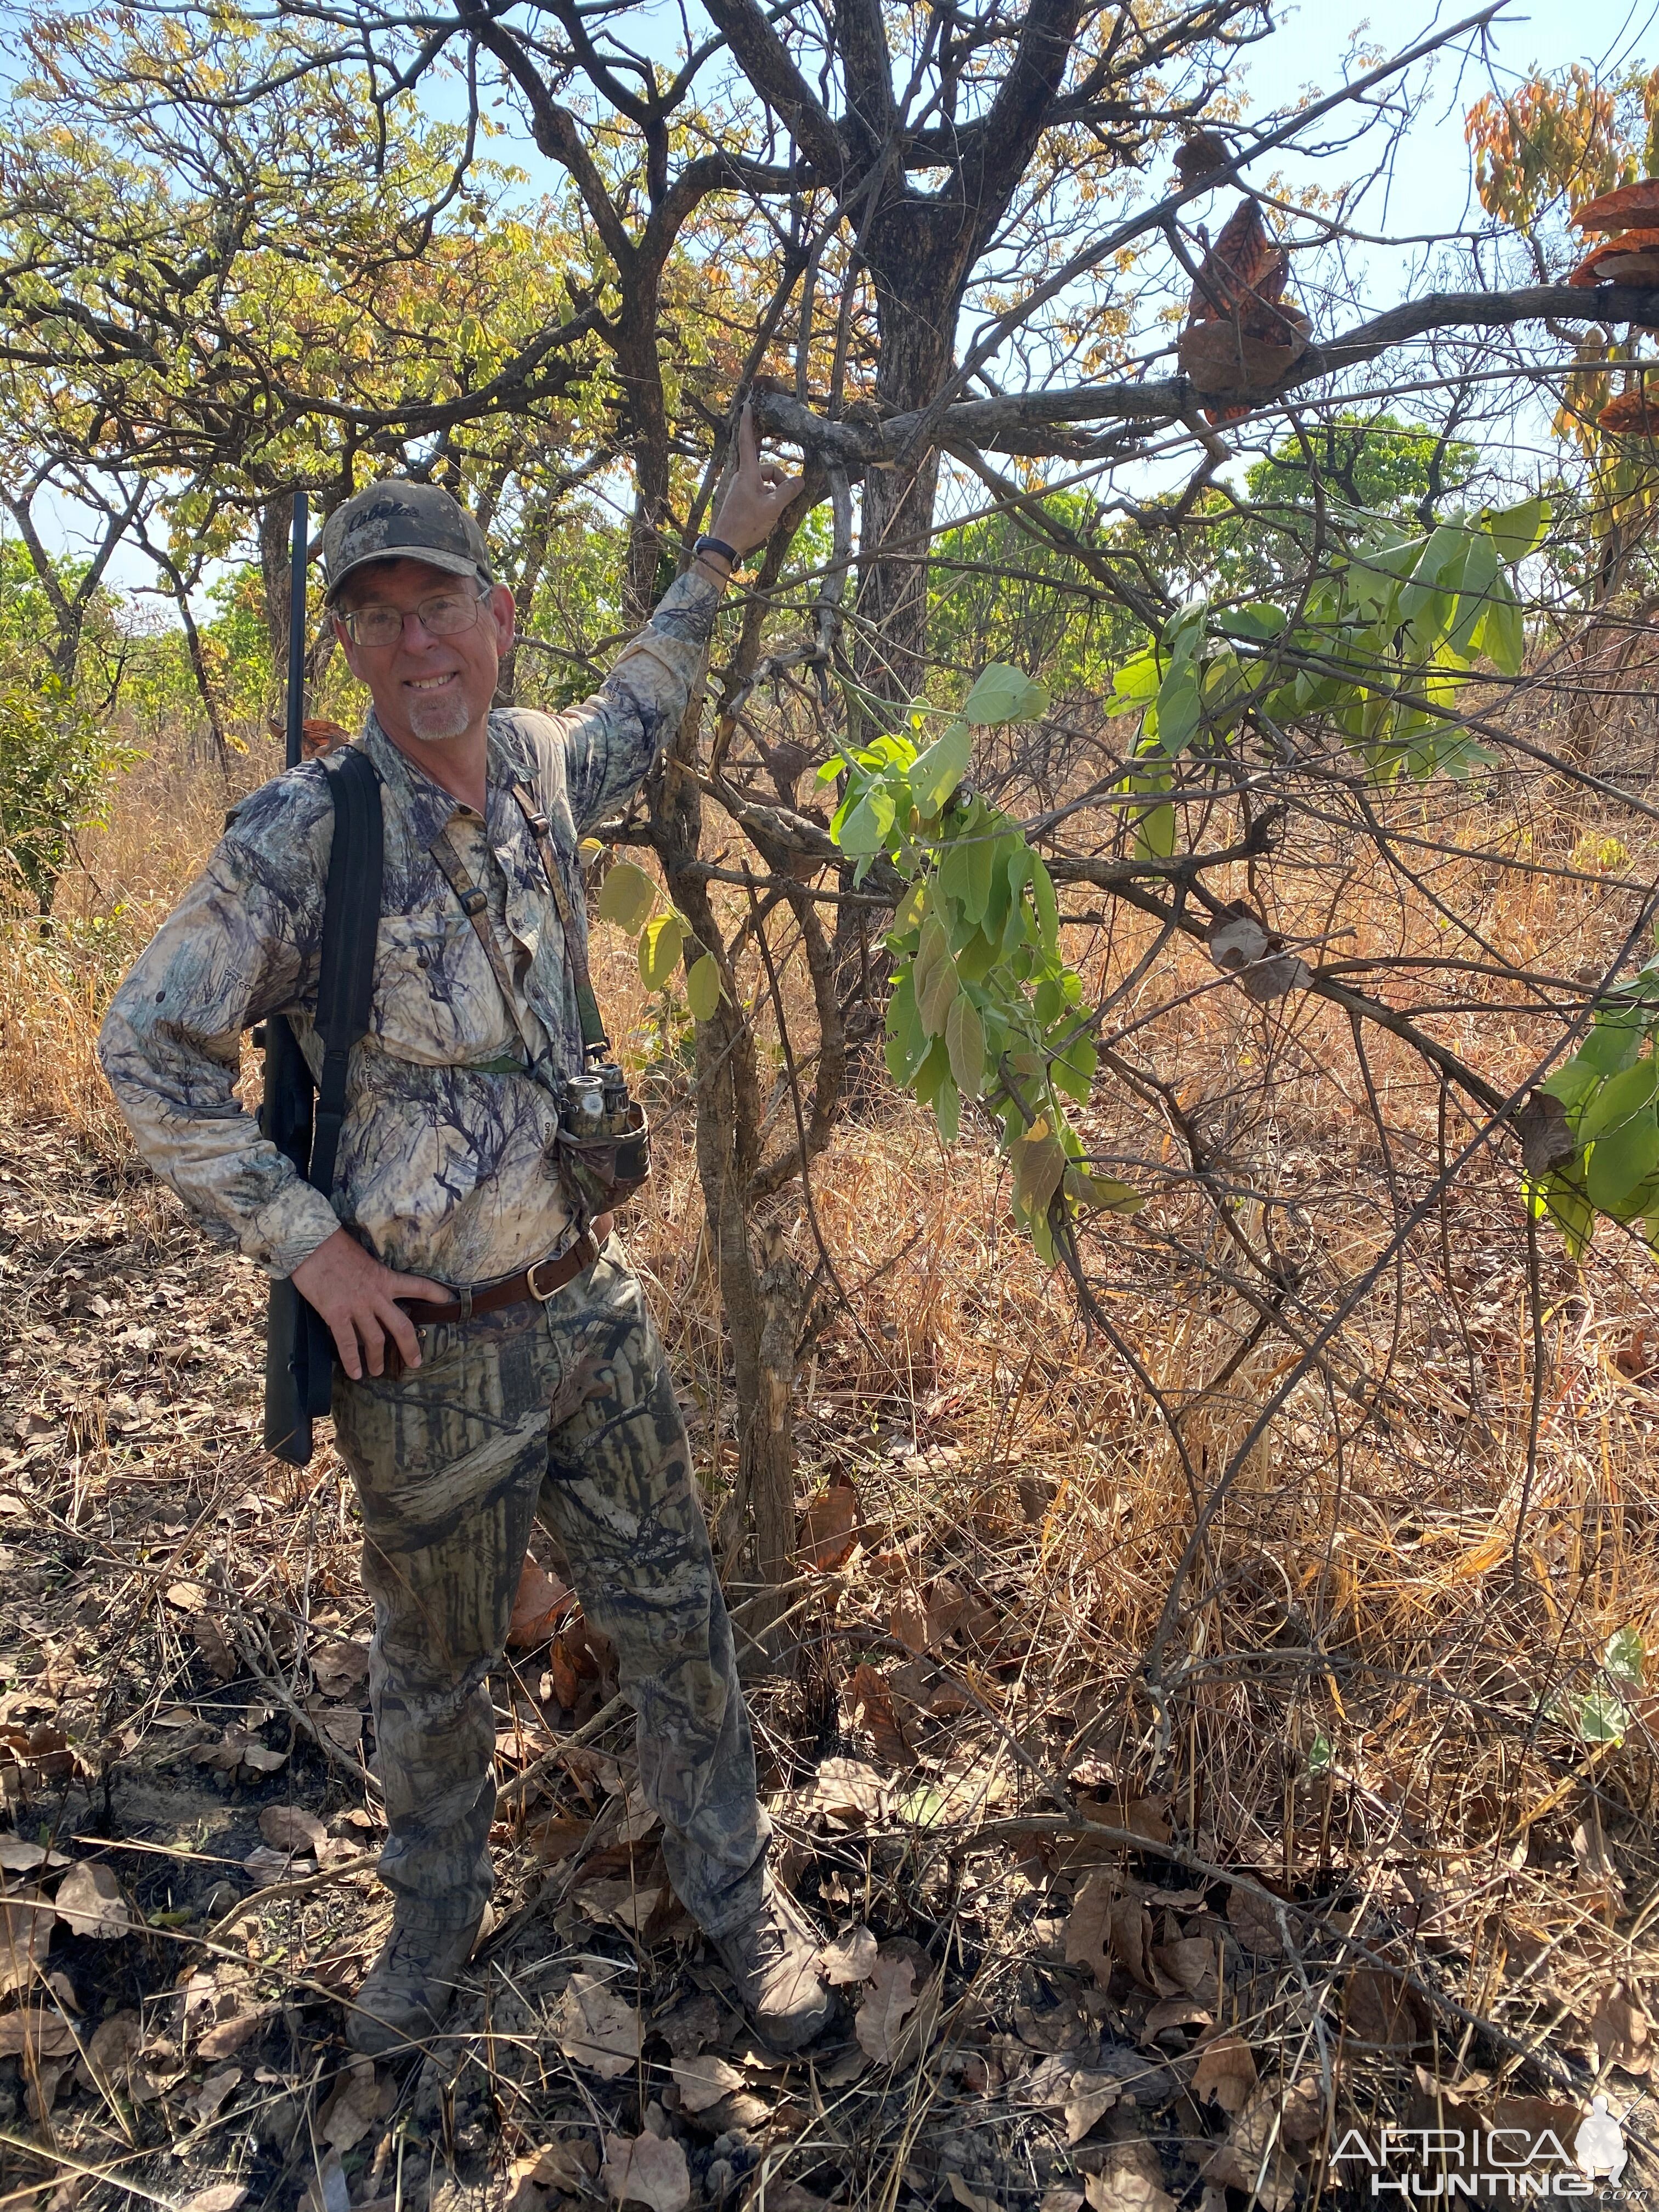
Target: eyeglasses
445,615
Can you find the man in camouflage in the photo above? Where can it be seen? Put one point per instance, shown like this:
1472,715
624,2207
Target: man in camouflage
459,1432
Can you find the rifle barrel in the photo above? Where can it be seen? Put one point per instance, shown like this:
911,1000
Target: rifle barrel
297,629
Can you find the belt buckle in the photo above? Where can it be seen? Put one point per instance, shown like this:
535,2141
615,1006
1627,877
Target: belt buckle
542,1297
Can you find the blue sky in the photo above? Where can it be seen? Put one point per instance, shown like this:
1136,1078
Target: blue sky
1427,188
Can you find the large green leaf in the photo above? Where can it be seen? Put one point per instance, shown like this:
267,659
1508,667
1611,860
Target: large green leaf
863,828
703,988
1005,695
1514,530
942,767
627,896
661,944
964,1041
1473,597
1621,1162
1620,1097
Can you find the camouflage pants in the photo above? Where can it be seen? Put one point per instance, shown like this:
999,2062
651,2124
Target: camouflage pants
566,1411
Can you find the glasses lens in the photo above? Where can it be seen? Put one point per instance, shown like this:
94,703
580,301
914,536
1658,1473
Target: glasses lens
442,615
449,612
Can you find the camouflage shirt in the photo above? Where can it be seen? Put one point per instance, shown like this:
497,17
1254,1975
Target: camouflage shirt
446,1158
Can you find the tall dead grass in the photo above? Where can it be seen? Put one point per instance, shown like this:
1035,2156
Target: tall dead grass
1386,1655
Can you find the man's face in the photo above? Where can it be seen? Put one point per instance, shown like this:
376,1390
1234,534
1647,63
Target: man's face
424,687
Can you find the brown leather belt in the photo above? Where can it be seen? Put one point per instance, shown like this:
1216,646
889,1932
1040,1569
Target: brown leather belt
539,1281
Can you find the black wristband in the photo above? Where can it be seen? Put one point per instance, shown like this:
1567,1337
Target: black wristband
707,544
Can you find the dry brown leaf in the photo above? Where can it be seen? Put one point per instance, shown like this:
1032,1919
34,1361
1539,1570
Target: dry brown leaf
217,2197
18,1856
263,1866
646,2169
209,2100
186,1597
825,1537
562,2165
89,1900
210,1641
1255,1922
338,1666
225,2037
1383,2010
849,1960
595,2029
1058,2199
42,2084
872,1698
1131,2180
1252,2157
848,1788
1089,2098
557,1836
1621,2030
907,1619
891,1998
26,1920
1226,2071
690,2025
970,2199
46,2034
1302,2123
1176,2012
358,2102
538,1605
112,2061
287,1828
704,2080
1190,1962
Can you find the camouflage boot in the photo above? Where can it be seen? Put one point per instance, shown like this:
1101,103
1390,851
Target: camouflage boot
410,1987
773,1959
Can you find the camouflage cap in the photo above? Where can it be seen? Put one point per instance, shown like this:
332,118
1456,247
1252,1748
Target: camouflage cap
397,520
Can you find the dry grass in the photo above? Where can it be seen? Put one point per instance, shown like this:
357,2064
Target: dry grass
1377,1690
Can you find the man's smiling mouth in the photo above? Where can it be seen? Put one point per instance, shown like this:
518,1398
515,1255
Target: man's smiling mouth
432,683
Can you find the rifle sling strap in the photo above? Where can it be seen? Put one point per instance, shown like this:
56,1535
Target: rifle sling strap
351,918
475,905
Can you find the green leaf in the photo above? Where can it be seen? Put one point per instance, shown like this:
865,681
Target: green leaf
936,995
1073,1070
907,1042
627,897
660,942
1621,1160
1155,834
1005,695
942,767
965,873
1180,707
1473,597
1602,1716
1260,620
964,1041
1039,1162
1102,1193
863,828
1514,530
703,988
1565,1206
1613,1042
922,1806
1620,1097
1624,1660
1504,634
1046,904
